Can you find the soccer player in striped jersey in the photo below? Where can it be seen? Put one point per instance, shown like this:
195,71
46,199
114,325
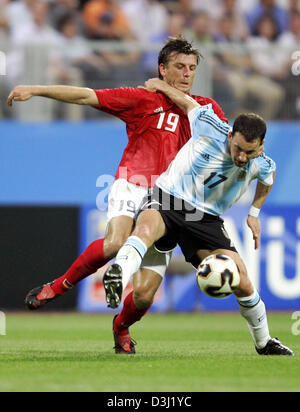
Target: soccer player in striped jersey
208,175
157,129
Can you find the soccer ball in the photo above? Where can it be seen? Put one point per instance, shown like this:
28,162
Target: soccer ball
218,276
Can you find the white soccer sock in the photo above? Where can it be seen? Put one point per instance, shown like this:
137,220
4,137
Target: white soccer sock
253,309
130,257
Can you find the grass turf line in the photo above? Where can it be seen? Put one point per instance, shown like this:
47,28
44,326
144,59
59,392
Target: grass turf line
175,352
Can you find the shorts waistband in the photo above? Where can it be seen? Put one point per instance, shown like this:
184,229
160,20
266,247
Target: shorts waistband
162,197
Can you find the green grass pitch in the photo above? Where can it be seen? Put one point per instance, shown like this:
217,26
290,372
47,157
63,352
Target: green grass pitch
175,352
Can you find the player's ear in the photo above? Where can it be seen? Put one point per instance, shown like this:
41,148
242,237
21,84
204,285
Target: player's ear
162,70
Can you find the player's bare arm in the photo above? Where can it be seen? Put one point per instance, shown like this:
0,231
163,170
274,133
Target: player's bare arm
261,194
182,100
67,94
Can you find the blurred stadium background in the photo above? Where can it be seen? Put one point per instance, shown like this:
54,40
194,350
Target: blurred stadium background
57,160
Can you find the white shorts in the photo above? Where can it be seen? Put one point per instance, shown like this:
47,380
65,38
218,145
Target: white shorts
125,199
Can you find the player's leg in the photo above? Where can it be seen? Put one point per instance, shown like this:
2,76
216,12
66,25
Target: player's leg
124,200
134,309
146,282
96,255
252,308
149,228
122,204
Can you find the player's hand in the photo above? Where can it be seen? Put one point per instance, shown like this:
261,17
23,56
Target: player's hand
154,85
254,225
20,94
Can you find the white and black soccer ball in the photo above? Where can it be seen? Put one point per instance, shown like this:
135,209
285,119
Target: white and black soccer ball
218,276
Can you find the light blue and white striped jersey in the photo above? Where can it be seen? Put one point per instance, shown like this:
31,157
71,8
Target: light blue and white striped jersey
203,172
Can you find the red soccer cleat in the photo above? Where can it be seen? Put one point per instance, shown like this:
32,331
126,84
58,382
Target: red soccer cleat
40,296
123,343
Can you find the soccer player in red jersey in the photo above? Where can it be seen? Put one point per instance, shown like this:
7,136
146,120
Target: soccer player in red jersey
157,129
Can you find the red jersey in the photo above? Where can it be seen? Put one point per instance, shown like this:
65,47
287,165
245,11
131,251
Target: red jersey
156,128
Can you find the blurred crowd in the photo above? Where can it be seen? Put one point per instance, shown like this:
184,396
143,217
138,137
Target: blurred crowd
248,73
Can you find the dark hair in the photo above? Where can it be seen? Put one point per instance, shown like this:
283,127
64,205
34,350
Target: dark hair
178,45
251,126
64,20
271,19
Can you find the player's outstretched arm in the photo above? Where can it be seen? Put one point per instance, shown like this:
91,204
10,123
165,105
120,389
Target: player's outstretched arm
261,194
67,94
182,100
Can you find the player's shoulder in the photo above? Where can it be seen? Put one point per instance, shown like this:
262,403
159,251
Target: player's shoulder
145,95
204,101
205,122
122,90
264,169
125,91
129,97
265,162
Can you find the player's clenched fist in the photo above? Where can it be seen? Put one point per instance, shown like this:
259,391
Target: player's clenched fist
20,94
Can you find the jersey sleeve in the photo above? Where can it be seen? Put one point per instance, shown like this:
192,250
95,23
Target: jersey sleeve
122,103
205,122
267,167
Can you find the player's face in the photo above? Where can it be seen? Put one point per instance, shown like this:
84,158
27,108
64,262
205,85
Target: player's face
242,151
180,71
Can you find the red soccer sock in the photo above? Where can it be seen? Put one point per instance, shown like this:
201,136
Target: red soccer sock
129,315
86,264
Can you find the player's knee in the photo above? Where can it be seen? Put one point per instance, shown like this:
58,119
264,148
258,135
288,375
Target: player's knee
144,232
142,297
113,245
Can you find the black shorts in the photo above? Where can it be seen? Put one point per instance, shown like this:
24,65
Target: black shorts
186,226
